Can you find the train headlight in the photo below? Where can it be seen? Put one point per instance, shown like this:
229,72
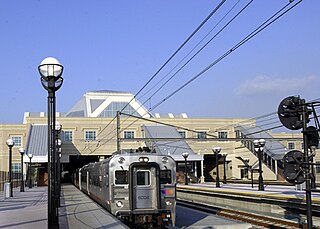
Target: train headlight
121,160
143,159
165,160
168,203
119,204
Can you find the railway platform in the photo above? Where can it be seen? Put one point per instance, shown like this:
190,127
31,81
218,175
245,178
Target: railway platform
28,210
275,201
285,192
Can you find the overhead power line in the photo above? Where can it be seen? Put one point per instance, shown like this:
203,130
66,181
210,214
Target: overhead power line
180,47
170,58
264,25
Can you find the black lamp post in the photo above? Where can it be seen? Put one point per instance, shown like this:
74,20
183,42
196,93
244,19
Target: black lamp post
224,155
30,156
216,151
258,147
185,156
10,144
59,143
21,150
58,128
51,70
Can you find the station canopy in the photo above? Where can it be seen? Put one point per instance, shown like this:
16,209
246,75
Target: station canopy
174,148
273,148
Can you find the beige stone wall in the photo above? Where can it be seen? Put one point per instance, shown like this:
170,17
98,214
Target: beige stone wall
6,132
106,138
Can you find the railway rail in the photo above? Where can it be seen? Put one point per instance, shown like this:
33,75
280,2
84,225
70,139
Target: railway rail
255,219
269,209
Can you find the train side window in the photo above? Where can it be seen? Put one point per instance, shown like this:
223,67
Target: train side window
143,177
121,177
165,176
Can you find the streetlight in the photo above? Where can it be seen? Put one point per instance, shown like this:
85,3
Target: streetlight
216,151
58,128
258,147
21,150
59,143
10,144
51,70
185,156
224,155
30,156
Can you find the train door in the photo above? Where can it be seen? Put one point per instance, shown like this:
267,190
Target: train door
145,194
79,174
88,185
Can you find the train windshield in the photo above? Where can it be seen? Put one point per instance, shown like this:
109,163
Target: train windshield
121,177
143,177
165,176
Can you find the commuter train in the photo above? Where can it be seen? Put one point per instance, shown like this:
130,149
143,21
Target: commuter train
136,187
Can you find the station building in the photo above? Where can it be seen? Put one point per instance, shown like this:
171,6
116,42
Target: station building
90,129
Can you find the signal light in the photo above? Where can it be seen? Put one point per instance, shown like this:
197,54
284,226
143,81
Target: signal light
293,167
312,136
290,112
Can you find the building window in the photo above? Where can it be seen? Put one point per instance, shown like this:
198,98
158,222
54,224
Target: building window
67,135
114,107
291,145
202,135
222,134
244,173
16,167
239,134
128,134
16,140
183,134
90,135
16,170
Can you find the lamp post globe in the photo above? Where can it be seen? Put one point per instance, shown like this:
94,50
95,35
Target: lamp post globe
50,67
51,71
10,144
216,151
185,156
58,127
21,151
30,156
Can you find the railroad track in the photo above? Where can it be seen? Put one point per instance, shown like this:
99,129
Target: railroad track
255,219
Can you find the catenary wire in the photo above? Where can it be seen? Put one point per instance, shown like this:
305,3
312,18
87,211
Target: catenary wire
247,38
200,49
170,58
264,25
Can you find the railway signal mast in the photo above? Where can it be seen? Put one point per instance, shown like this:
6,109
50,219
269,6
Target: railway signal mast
294,114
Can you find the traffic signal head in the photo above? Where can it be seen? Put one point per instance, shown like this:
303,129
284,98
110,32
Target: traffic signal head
293,167
290,112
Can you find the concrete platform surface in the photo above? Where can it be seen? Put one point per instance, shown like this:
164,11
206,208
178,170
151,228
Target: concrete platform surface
28,210
79,211
25,209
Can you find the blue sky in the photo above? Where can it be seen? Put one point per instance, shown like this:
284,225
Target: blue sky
119,45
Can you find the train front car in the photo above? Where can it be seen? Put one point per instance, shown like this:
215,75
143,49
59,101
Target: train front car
142,188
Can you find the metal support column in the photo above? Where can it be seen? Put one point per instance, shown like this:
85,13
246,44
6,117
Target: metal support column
118,131
307,166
